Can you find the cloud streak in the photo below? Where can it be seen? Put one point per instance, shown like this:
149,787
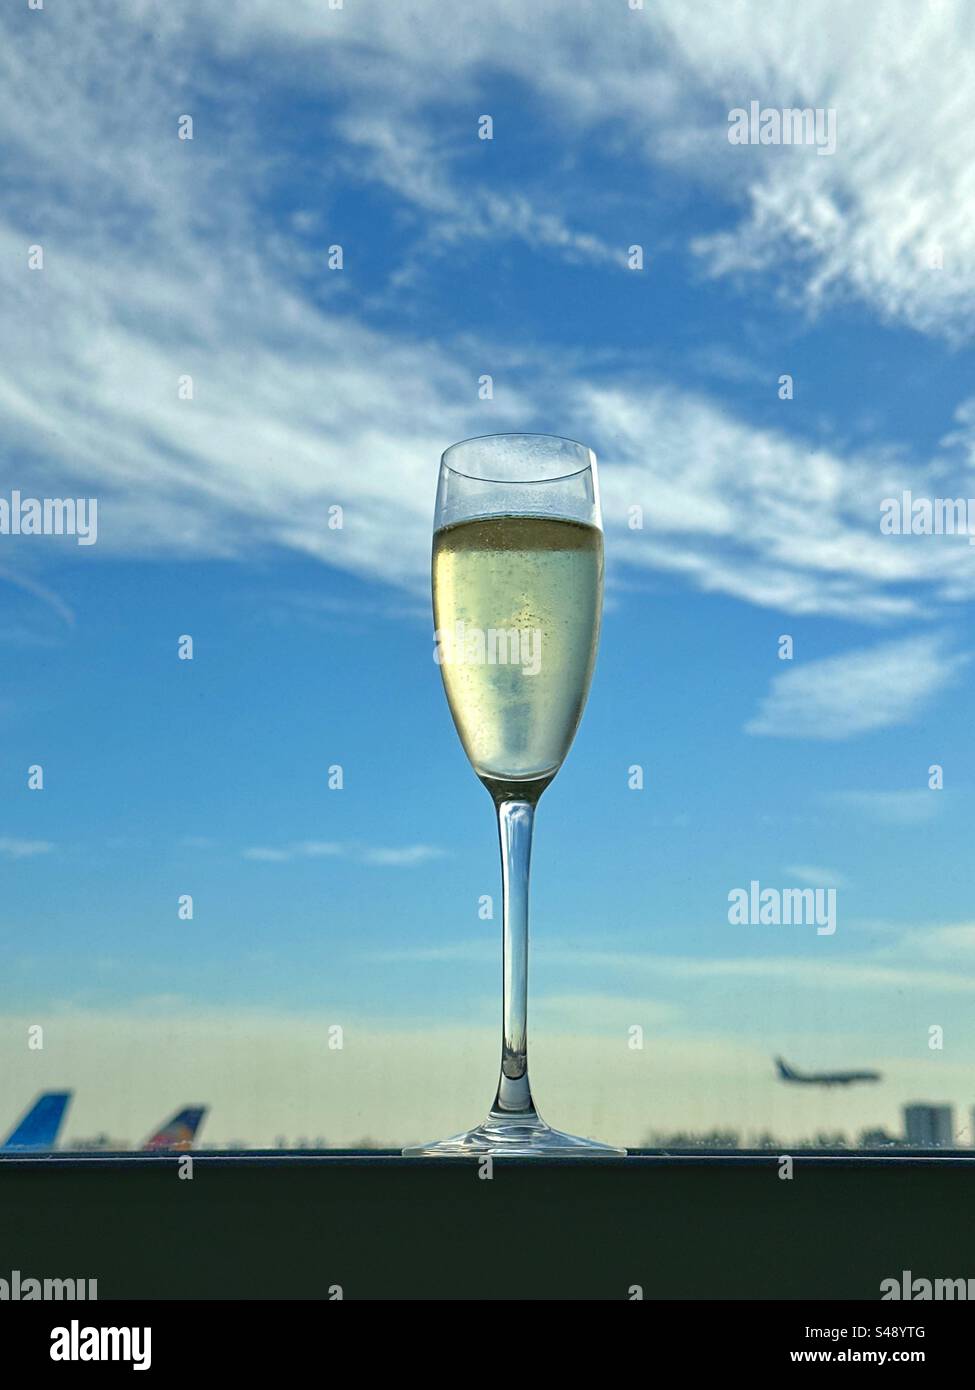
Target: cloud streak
913,806
162,262
395,857
857,693
864,223
13,848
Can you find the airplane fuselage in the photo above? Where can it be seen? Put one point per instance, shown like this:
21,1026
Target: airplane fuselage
823,1078
840,1079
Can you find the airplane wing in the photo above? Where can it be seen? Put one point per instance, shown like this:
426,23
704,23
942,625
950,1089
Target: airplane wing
38,1128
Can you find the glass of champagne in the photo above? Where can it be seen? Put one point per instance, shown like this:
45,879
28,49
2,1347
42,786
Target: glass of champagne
517,600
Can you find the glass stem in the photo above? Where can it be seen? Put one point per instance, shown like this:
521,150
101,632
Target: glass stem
515,821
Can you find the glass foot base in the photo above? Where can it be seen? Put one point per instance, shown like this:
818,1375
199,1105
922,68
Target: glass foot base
514,1136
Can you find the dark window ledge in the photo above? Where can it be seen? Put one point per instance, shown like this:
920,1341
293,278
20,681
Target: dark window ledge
286,1224
871,1158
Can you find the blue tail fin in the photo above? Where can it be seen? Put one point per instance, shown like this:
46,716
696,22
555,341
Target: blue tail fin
38,1129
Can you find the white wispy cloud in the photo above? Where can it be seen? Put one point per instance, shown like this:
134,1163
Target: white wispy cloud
397,857
911,806
856,693
759,514
955,941
413,163
199,282
656,85
870,221
48,597
897,969
403,858
13,848
589,1009
821,974
471,951
816,877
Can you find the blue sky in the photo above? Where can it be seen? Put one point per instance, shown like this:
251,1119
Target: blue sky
854,273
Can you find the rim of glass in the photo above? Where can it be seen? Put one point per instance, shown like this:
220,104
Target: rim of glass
516,482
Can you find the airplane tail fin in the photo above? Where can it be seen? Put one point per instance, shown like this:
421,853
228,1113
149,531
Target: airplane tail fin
38,1127
179,1131
785,1071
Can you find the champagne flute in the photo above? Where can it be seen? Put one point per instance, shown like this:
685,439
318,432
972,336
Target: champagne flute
517,599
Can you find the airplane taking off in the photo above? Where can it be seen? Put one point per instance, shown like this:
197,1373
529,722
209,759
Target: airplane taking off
38,1128
178,1132
824,1078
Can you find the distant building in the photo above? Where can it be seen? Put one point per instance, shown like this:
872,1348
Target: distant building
929,1126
